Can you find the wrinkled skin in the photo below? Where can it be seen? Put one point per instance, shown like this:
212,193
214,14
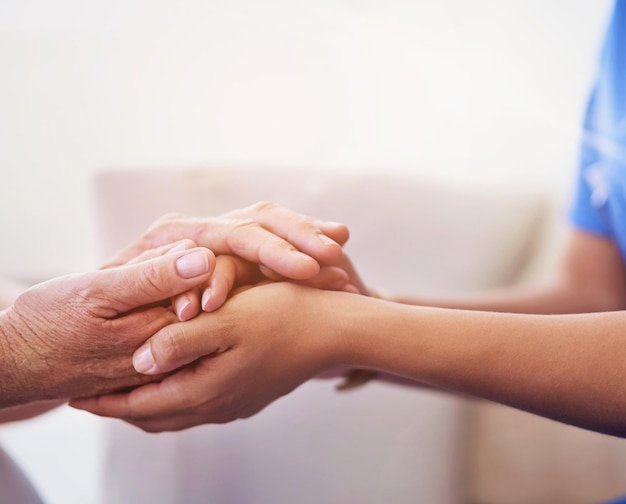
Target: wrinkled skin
75,335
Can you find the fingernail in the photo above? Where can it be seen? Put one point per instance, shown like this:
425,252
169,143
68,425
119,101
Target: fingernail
326,240
177,248
193,264
302,256
180,309
206,296
143,361
333,224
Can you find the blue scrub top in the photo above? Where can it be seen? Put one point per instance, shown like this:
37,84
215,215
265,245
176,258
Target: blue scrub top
599,204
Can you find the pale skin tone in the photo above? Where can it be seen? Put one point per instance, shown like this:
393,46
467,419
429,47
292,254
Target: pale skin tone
561,363
74,336
274,241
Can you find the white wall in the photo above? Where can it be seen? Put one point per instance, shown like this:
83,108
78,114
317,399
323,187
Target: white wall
461,90
476,92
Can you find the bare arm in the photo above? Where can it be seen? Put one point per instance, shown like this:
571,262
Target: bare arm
565,367
592,278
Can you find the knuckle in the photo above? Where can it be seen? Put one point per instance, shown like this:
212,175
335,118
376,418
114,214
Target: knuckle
244,224
85,294
222,415
264,206
153,278
241,236
166,348
166,219
197,403
301,226
158,232
189,243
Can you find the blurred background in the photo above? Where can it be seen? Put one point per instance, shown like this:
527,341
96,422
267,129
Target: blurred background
483,94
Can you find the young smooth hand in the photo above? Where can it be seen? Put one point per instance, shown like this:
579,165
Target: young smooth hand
263,343
262,241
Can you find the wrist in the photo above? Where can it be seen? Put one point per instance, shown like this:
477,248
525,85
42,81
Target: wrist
326,327
359,321
11,353
383,336
23,363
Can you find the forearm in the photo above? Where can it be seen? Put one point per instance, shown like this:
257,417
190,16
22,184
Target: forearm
562,367
590,278
553,299
9,290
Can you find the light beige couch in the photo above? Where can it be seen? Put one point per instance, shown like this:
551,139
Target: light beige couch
381,443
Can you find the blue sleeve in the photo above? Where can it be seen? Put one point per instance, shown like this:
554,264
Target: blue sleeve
588,210
602,141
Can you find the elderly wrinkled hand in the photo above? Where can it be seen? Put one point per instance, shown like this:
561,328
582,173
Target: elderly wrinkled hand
75,335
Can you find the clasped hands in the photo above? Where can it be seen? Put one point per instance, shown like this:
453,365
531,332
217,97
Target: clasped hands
196,358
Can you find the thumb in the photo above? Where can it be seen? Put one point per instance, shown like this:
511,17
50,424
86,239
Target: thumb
135,285
179,344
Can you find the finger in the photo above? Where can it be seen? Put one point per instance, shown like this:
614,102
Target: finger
110,405
356,378
271,274
170,248
136,326
170,397
230,272
299,230
179,344
286,242
242,237
335,230
329,278
168,424
181,421
180,400
117,406
355,279
187,305
129,287
351,289
254,243
149,240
